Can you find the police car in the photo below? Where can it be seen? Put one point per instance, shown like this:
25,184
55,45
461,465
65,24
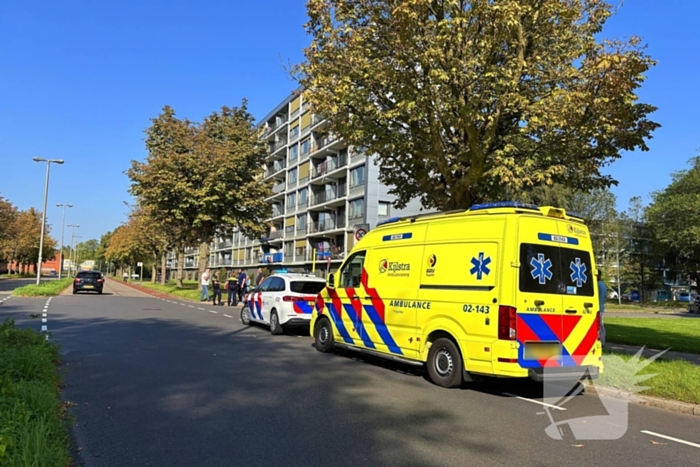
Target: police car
282,300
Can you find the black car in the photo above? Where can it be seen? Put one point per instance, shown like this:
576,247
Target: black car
88,281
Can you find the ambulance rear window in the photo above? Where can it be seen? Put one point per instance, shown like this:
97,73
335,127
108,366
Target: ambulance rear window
550,269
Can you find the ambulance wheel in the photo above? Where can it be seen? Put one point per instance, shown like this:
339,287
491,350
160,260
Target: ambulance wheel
445,364
323,333
275,327
245,315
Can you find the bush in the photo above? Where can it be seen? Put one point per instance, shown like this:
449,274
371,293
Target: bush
32,427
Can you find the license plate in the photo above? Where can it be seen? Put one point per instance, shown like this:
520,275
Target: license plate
88,286
542,350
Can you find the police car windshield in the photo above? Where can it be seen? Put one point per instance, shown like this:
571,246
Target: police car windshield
307,287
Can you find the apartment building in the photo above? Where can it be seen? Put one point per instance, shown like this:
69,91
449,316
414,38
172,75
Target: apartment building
323,191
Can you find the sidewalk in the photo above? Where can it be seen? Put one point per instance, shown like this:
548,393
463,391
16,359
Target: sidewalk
647,352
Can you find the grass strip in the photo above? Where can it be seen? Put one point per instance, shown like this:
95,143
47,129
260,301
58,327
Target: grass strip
33,430
676,380
188,291
679,334
45,289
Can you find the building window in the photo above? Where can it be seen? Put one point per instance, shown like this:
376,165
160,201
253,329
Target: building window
357,176
295,131
292,176
383,208
305,146
291,200
301,222
293,152
302,197
355,209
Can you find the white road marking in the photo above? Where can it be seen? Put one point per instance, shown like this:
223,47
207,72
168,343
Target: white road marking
534,401
228,316
215,312
200,308
688,443
191,306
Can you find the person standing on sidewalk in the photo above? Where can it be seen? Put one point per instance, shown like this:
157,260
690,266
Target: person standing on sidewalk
242,283
232,287
216,285
204,296
261,277
602,295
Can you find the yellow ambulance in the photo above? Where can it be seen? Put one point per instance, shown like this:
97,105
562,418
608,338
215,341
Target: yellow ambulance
503,289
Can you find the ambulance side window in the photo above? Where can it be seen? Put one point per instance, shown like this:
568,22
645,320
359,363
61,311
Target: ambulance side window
352,271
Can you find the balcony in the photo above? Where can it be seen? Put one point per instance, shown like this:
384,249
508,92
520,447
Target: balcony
295,114
326,225
279,188
275,168
276,146
306,130
316,119
328,195
270,129
329,165
335,253
325,141
301,230
276,234
272,258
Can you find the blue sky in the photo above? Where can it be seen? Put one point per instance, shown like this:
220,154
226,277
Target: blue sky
79,80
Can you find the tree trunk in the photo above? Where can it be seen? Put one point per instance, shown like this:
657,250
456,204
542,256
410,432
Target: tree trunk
163,267
180,267
203,262
154,268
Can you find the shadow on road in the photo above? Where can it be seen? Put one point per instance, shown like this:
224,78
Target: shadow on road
170,393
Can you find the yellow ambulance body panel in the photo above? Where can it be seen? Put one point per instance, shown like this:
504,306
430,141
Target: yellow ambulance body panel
502,289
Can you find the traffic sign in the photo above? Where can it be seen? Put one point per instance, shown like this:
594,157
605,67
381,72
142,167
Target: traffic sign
359,233
139,264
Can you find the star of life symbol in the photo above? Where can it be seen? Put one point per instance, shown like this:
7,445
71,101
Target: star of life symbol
578,272
541,268
610,426
481,266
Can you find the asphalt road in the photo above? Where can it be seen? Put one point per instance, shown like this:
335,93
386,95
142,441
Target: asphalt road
170,383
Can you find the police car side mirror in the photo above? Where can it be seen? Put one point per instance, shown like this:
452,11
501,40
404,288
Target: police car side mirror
330,281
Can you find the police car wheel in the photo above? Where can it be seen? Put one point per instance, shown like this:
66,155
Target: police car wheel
275,327
245,315
445,364
324,336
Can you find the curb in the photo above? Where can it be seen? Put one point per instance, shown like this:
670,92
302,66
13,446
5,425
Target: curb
649,401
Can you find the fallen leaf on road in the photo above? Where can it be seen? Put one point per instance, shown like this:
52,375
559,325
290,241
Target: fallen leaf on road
655,442
578,445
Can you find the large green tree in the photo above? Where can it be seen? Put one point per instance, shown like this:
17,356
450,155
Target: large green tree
461,100
674,219
199,181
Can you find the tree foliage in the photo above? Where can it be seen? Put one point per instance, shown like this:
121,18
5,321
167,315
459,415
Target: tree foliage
462,100
202,180
21,239
674,218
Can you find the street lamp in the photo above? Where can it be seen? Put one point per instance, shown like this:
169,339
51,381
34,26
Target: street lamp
63,225
43,214
72,237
